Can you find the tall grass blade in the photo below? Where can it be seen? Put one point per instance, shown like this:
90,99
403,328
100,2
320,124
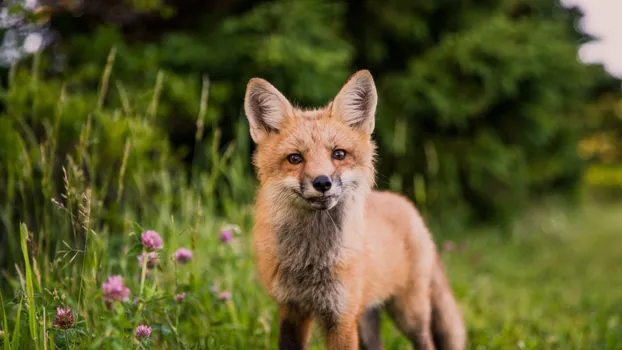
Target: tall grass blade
16,330
103,89
44,333
198,136
32,322
5,324
202,110
126,155
125,100
153,106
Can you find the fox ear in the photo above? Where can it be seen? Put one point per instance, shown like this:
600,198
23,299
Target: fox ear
356,102
265,108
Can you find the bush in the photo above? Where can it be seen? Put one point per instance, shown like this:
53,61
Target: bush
479,99
489,111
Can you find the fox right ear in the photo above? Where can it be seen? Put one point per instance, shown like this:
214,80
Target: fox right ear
265,108
355,103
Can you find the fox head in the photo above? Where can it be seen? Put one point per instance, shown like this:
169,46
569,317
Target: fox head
314,159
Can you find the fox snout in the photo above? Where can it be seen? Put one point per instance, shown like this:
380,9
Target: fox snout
321,192
322,183
320,186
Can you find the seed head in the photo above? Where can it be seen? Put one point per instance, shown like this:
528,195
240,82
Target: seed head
180,297
64,318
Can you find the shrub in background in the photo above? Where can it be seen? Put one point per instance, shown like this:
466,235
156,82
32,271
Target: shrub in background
474,98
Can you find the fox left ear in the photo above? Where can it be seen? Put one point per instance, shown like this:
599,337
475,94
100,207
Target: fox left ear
265,108
356,102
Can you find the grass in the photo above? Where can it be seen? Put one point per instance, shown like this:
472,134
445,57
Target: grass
77,210
555,284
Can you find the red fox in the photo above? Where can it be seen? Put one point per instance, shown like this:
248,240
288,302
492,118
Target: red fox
327,246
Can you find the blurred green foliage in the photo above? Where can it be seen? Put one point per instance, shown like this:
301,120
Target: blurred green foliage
481,103
134,115
602,146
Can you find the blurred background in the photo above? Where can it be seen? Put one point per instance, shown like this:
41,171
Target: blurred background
114,112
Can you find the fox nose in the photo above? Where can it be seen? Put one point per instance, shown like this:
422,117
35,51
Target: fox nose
322,183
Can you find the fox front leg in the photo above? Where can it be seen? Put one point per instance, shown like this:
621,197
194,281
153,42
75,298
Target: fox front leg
294,328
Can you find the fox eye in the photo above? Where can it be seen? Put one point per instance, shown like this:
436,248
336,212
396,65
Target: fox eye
339,154
295,158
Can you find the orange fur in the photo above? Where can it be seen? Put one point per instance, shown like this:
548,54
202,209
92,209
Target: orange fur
337,255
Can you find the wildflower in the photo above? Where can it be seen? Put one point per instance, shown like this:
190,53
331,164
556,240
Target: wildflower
151,240
180,297
143,331
224,296
226,235
2,335
115,290
183,255
152,259
64,318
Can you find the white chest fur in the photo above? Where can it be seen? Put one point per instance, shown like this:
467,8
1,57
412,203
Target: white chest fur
309,249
